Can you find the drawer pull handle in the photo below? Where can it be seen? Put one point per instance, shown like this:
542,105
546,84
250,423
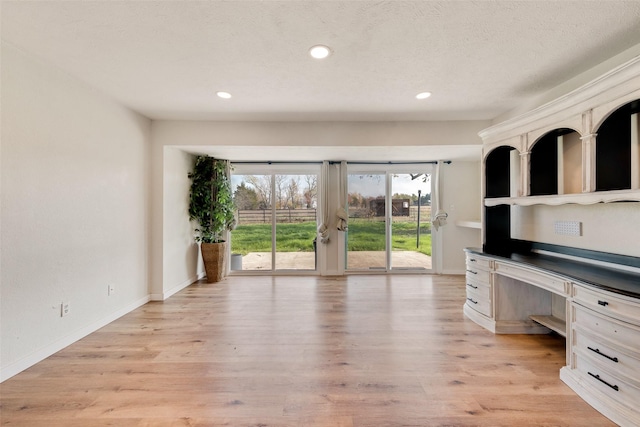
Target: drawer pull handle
615,387
472,259
471,271
603,303
471,286
597,351
471,299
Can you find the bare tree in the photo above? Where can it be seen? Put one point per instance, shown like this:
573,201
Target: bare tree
291,192
311,191
262,186
280,191
286,192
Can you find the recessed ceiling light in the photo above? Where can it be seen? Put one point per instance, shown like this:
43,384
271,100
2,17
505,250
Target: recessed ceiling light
224,95
423,95
319,51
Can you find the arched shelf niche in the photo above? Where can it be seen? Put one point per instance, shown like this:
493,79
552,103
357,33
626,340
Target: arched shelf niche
617,153
502,171
556,163
502,180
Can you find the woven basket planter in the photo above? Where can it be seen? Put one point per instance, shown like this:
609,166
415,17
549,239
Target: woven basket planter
214,257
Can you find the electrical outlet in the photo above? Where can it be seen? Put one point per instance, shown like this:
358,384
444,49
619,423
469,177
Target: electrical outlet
111,289
64,308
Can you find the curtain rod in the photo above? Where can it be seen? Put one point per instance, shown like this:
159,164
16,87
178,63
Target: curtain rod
429,162
262,162
334,162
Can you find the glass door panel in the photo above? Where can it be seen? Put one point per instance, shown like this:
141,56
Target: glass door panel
411,221
251,241
366,238
295,216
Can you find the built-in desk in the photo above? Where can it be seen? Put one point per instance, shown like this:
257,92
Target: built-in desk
596,307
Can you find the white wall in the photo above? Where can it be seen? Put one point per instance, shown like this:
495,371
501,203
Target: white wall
464,182
572,84
181,256
461,199
317,134
74,210
606,227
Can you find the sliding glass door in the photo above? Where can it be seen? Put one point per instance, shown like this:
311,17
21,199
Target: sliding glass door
410,221
276,218
251,241
366,241
295,221
389,218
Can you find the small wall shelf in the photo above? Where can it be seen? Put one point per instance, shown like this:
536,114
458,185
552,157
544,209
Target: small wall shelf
557,325
470,224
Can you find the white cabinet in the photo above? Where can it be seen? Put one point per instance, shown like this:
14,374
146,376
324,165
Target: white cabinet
522,295
561,162
604,367
510,298
479,284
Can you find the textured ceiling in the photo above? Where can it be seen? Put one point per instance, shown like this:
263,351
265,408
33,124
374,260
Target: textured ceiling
166,59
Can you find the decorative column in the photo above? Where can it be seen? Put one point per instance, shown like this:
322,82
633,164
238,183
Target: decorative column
525,166
635,151
588,154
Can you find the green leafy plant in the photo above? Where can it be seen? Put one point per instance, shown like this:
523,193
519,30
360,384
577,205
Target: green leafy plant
210,199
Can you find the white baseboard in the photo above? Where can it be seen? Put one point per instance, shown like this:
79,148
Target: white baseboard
163,296
18,366
332,273
462,272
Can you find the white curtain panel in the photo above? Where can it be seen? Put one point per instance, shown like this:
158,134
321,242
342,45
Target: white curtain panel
323,229
440,217
342,214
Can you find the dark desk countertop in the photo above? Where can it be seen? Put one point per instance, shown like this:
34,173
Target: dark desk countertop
606,278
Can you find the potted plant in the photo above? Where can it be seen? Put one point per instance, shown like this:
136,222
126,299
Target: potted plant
211,207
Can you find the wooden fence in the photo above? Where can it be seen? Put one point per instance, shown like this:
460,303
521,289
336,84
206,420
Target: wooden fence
263,216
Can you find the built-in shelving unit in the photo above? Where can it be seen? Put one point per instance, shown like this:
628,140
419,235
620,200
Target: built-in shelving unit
600,164
580,149
554,173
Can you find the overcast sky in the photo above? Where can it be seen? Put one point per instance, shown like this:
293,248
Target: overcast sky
372,185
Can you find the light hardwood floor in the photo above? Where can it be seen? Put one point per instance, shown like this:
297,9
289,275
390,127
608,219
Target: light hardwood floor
301,351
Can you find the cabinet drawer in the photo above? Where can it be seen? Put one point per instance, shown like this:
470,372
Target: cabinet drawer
479,262
479,304
608,355
614,331
610,385
608,303
546,281
480,290
478,275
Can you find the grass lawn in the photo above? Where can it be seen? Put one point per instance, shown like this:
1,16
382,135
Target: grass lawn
364,235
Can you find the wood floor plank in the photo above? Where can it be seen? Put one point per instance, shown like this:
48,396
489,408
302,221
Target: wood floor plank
362,350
